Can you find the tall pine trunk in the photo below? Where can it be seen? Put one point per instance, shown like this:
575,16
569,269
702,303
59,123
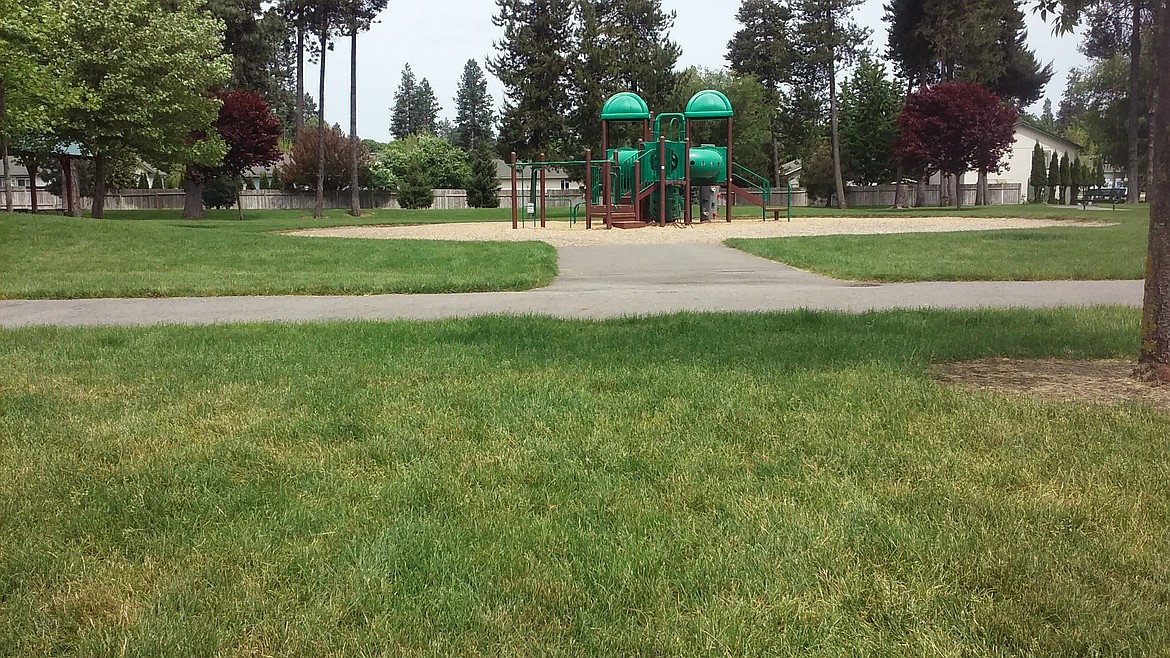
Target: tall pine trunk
319,206
300,118
1154,361
98,209
1134,158
4,149
838,178
355,202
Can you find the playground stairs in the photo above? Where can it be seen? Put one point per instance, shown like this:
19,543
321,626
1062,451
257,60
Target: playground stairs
622,216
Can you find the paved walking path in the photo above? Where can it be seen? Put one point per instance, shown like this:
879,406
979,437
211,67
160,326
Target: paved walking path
595,282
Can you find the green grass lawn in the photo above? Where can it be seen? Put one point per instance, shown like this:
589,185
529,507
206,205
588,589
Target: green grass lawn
782,484
148,254
1112,252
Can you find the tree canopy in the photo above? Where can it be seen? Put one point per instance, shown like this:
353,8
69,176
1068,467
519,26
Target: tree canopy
955,127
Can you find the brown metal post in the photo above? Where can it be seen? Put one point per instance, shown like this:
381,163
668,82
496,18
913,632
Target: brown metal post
638,183
543,167
661,180
588,188
515,217
730,169
687,185
606,190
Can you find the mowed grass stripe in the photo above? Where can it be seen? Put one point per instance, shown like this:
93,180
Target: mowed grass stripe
1061,253
789,484
65,258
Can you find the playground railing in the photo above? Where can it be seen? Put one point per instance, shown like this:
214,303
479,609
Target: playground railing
754,180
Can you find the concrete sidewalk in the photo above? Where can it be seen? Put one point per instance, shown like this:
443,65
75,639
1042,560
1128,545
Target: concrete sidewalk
595,282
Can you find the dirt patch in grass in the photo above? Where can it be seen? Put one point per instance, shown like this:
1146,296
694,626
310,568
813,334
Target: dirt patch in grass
1108,381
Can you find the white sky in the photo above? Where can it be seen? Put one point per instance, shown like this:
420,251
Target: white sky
437,37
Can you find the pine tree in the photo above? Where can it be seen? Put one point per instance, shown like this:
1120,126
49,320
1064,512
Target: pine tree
762,47
869,110
414,188
474,116
264,183
829,39
532,64
482,186
1099,172
401,125
1077,178
621,46
1053,177
1039,176
1065,177
143,182
424,109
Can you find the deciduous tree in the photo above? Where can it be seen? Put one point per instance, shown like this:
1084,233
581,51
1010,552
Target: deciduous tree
301,172
954,127
142,77
250,131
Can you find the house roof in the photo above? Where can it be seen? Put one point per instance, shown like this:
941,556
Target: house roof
504,171
1044,132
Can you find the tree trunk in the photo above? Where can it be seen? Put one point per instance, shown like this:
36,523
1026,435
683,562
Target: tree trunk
1154,361
300,118
959,191
99,187
838,178
69,173
355,202
981,189
944,190
4,148
192,197
776,162
33,170
1134,158
920,191
319,206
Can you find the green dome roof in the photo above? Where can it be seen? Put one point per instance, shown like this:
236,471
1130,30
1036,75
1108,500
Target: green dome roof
626,106
709,104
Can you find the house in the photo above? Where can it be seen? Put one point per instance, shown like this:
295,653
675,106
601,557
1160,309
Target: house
1019,159
556,181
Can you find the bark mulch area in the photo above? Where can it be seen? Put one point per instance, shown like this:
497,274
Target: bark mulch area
1101,381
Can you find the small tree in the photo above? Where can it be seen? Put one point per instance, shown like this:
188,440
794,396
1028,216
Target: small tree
1039,177
143,183
220,191
1053,177
954,127
869,110
301,171
264,184
1065,177
1099,172
482,186
1077,178
414,189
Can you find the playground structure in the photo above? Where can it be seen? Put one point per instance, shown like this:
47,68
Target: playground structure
653,181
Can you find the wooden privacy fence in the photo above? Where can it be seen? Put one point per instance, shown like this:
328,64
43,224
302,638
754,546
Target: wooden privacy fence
998,194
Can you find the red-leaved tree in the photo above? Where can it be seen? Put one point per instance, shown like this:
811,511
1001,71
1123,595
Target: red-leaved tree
953,128
251,131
